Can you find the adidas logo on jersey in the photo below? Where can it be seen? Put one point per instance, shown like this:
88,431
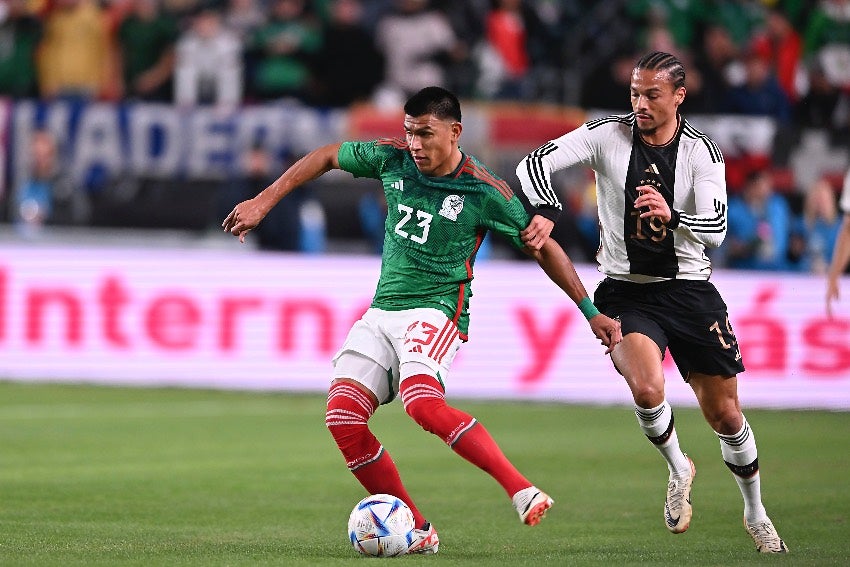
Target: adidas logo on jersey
398,185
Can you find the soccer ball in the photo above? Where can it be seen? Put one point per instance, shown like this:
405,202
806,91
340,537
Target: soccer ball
381,525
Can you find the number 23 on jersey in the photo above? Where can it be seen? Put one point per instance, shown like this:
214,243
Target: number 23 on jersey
414,224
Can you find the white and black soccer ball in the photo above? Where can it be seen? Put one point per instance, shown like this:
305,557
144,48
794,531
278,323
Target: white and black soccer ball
381,525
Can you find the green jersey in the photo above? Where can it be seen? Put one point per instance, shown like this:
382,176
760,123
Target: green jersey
434,226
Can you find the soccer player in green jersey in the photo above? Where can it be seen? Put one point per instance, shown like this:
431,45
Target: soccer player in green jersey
441,202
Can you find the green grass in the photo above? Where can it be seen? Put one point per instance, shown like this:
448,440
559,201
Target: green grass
116,476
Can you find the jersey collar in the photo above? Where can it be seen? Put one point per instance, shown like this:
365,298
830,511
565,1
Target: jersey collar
673,138
463,159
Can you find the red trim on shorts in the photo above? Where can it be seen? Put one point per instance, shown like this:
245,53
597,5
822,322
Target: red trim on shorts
444,340
450,339
439,340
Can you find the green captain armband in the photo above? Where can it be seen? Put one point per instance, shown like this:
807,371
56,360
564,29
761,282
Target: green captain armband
588,309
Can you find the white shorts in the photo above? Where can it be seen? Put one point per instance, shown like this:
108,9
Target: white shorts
384,347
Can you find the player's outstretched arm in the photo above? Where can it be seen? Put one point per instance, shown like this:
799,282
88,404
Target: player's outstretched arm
247,215
840,261
560,269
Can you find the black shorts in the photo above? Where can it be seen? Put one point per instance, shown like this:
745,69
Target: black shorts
687,316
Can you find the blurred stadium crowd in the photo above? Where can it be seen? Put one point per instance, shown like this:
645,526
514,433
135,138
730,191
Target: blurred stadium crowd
787,60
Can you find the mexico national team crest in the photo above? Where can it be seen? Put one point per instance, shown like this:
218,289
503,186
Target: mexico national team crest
452,206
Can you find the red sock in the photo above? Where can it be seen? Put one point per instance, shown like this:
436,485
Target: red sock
349,410
424,400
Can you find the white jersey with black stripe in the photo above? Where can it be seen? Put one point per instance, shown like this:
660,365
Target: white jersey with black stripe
689,171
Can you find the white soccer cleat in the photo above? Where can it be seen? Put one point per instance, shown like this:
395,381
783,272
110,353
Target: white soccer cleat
677,506
765,537
425,541
531,505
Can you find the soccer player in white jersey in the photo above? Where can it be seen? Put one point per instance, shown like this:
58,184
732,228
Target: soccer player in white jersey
661,194
841,254
441,202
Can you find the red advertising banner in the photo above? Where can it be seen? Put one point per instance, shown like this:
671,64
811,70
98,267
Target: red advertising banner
252,320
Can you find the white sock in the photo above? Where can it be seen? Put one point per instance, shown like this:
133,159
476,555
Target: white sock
741,456
657,424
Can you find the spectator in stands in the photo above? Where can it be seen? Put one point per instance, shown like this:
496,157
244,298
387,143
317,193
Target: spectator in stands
841,255
372,210
348,67
717,62
827,40
209,62
244,17
780,44
507,37
823,106
33,199
740,18
682,17
20,33
418,44
604,87
467,20
520,50
283,50
797,11
815,231
295,226
181,10
759,226
760,94
147,38
75,57
47,194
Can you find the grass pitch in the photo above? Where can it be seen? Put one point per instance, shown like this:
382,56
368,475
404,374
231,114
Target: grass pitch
94,476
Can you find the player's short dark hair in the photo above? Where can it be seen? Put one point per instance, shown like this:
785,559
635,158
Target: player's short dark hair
660,61
433,100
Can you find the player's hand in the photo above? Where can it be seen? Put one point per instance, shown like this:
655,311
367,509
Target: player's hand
607,330
243,218
832,294
651,203
535,235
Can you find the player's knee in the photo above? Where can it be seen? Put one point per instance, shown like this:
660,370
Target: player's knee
425,411
437,417
646,384
348,411
647,395
347,416
726,421
424,401
723,413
